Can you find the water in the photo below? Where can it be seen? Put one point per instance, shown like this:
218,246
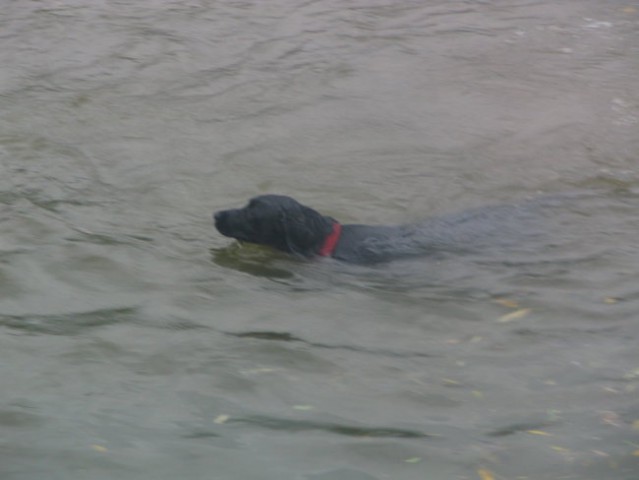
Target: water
138,343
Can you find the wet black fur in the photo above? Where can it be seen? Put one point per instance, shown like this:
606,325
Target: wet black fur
286,225
277,221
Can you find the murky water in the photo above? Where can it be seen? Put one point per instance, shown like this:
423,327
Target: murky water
137,343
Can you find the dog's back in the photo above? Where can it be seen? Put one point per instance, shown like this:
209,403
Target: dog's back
491,227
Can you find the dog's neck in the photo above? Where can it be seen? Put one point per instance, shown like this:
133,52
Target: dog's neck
330,242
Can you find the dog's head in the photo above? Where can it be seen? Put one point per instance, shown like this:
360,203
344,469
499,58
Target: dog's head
277,221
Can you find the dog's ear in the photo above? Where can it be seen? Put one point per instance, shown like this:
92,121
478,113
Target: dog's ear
304,230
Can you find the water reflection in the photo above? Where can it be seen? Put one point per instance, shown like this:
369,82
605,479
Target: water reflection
252,260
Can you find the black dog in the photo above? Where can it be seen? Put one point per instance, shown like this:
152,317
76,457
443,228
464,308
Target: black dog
286,225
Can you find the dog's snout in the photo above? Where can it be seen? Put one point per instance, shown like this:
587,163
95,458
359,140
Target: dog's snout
219,216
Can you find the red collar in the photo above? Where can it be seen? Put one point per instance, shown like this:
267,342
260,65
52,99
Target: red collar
331,241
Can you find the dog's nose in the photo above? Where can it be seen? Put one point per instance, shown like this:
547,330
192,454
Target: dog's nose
217,216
